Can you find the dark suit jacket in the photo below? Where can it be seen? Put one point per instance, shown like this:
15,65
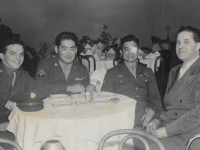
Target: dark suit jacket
53,72
181,113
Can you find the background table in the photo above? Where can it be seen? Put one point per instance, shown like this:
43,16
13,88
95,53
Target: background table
77,127
150,62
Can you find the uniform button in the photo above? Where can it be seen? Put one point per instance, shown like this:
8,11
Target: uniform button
121,81
139,101
175,114
136,88
146,80
180,101
137,96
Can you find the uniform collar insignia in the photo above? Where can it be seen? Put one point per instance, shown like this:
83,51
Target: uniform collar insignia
144,74
120,75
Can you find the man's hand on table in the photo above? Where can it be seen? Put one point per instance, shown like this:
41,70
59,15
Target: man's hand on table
152,126
76,88
10,105
147,117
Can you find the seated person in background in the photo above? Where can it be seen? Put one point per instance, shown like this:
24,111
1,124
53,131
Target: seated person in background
98,47
134,80
179,118
63,66
14,80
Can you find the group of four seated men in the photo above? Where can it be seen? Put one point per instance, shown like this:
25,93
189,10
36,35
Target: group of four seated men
174,121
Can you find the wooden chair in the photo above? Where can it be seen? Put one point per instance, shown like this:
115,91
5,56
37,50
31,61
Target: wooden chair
94,61
117,60
87,58
191,141
146,50
132,134
9,142
166,42
81,58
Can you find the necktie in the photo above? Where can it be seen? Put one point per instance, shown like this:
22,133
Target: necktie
183,69
14,78
66,72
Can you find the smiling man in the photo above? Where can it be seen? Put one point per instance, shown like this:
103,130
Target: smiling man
134,80
179,120
14,81
63,66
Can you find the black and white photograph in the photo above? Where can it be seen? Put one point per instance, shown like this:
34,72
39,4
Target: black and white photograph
99,75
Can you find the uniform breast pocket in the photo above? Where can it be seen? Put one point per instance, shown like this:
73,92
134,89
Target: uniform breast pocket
121,84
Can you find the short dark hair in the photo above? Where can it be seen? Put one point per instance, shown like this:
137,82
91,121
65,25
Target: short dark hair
65,36
129,38
11,42
194,31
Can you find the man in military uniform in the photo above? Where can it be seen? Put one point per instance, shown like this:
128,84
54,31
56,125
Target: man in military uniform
63,66
13,80
179,118
134,80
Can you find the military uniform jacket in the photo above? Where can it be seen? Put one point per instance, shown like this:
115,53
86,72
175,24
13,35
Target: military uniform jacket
181,113
22,83
49,70
143,89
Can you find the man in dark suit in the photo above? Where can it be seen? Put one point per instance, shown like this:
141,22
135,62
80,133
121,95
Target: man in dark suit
134,80
179,118
63,66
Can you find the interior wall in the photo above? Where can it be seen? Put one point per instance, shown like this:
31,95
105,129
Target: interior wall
177,13
39,21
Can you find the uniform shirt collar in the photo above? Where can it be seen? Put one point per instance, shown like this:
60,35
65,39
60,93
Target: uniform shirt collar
64,66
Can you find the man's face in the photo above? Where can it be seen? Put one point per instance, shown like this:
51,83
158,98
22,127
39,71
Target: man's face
14,56
186,47
100,46
130,51
66,51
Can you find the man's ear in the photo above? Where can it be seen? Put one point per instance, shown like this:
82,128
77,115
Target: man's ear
56,49
2,56
198,46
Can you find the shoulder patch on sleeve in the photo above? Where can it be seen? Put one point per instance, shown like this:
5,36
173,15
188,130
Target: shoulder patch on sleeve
41,73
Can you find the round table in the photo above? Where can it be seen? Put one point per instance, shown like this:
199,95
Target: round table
76,126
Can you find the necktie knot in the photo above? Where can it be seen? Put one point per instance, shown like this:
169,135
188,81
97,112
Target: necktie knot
14,78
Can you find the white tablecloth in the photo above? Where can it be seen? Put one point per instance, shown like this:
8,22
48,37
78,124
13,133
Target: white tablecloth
77,127
106,64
